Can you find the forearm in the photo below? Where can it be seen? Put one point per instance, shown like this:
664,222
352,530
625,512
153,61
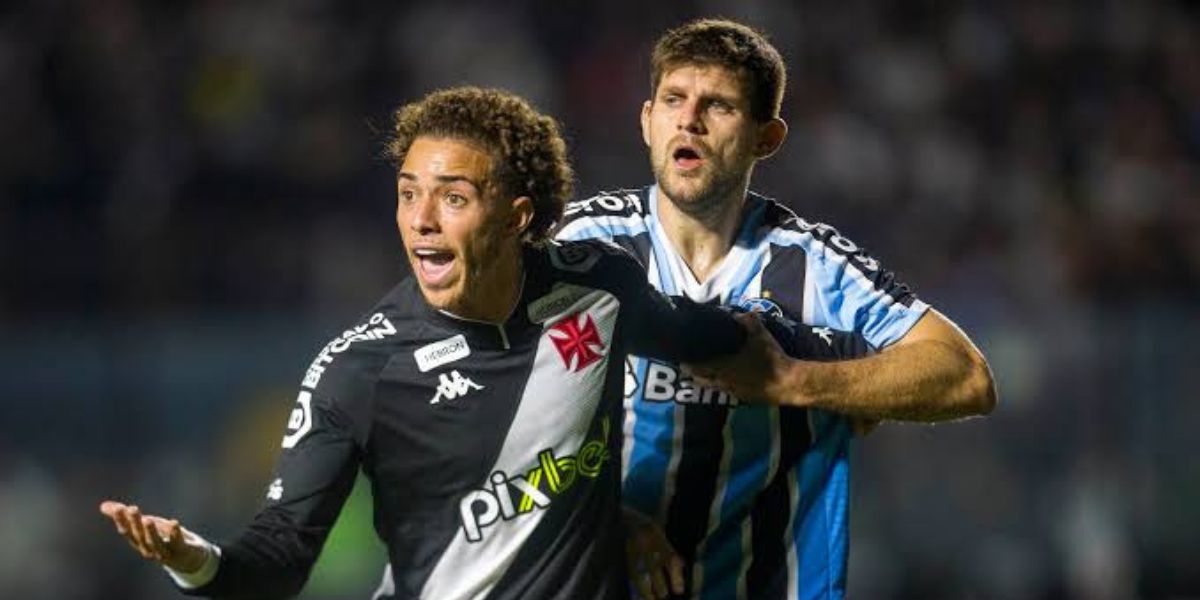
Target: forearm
682,330
928,380
265,561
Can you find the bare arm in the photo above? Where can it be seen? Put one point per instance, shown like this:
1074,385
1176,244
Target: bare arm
933,373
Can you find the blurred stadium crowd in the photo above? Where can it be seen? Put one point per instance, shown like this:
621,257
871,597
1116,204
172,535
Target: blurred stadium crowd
191,203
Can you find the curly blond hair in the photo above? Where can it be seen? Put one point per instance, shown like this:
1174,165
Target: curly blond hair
529,156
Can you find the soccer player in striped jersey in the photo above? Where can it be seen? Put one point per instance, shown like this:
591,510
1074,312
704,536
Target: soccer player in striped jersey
747,474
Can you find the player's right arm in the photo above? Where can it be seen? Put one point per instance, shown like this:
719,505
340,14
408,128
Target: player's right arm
926,369
272,556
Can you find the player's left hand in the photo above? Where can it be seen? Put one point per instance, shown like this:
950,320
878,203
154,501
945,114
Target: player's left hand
654,567
755,374
155,538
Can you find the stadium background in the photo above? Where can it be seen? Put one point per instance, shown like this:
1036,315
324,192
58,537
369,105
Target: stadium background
190,207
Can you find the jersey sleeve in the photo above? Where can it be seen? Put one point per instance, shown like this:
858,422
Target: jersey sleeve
847,289
320,457
652,325
676,328
815,343
609,216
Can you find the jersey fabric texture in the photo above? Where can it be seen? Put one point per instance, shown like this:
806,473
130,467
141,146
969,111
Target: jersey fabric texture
754,497
492,450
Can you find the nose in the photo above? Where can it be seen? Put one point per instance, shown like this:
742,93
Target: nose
691,117
419,215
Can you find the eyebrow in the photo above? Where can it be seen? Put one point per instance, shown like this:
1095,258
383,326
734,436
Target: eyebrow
707,95
443,179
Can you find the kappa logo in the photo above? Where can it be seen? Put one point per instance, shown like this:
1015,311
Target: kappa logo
452,386
578,344
824,333
275,490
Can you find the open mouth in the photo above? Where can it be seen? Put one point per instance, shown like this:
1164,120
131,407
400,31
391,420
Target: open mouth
687,158
433,265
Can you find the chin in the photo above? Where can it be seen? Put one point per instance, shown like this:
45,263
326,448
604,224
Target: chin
446,299
686,190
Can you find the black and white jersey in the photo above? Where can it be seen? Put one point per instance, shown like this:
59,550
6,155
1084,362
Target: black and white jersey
493,450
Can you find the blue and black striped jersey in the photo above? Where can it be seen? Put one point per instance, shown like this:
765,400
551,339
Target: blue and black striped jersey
754,497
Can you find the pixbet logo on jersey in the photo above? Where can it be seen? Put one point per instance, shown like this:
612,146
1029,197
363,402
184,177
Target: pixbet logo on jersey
551,477
577,341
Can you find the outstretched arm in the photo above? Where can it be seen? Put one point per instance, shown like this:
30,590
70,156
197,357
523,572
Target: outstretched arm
932,373
272,557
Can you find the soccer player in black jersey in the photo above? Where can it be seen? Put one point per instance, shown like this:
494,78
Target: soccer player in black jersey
481,396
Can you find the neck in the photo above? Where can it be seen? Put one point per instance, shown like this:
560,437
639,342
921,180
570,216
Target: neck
499,291
702,240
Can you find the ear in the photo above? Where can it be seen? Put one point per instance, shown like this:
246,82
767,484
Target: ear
770,137
646,121
520,215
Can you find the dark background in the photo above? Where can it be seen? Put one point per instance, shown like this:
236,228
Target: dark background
191,205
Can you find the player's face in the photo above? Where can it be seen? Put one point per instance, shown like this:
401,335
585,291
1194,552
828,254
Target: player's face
461,238
703,140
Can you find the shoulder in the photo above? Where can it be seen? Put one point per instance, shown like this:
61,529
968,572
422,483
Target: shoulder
361,349
606,214
616,203
340,380
783,227
595,264
588,256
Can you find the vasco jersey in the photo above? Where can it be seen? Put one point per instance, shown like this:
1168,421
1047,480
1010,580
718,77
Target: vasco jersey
492,450
754,497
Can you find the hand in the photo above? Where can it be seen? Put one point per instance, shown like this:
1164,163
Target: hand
163,541
755,374
653,563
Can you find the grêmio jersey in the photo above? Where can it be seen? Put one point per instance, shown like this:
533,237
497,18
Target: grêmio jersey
755,498
493,451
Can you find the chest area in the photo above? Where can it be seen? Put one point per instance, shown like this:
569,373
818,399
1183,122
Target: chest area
450,404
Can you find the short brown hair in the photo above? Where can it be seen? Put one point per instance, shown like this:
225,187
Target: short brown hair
528,153
726,44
